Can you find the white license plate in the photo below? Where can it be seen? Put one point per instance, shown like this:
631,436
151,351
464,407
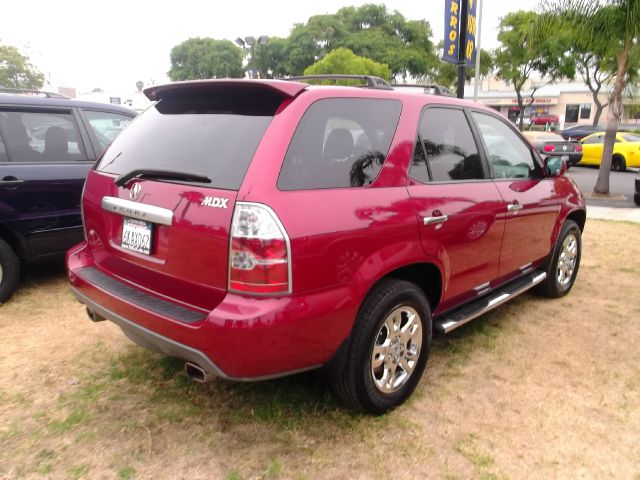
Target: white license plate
565,158
136,235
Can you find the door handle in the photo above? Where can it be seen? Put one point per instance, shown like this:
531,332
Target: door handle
435,220
514,206
9,180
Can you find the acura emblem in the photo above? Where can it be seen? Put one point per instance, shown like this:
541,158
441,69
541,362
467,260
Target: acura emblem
135,191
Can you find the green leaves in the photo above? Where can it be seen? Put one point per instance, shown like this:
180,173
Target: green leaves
201,58
16,71
343,60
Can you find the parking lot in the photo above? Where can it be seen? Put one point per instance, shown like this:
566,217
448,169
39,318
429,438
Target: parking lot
538,388
621,185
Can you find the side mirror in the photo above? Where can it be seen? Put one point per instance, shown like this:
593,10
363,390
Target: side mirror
555,166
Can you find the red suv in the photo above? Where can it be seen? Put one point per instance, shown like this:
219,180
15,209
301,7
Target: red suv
257,228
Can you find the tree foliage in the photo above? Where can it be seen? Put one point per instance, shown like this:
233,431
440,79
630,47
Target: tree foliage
369,31
611,27
526,50
16,71
446,74
201,58
342,60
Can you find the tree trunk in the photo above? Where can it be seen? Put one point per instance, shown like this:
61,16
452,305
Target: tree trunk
613,120
521,107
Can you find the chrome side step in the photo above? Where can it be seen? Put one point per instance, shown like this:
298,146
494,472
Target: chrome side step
452,320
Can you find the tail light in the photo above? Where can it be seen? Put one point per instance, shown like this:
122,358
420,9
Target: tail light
549,148
578,147
259,258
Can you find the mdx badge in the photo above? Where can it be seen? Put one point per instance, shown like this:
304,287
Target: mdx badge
215,202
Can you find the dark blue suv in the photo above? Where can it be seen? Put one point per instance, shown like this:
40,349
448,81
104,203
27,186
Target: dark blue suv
47,145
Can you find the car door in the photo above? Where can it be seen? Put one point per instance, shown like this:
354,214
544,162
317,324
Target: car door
592,149
531,203
41,177
460,211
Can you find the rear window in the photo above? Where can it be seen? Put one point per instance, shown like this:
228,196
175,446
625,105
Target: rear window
339,143
630,137
214,136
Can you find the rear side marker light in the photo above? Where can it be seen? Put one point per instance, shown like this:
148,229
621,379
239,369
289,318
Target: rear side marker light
578,148
260,252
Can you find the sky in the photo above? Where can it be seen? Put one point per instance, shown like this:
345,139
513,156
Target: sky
110,45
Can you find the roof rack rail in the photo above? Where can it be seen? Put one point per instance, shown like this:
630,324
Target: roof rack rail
33,92
431,88
372,81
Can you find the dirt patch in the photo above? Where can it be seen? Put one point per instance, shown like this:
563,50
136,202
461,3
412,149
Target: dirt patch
538,388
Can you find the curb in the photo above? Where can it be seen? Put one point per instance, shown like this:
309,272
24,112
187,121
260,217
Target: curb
615,214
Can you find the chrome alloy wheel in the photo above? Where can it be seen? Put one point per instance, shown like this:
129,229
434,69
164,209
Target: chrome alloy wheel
0,274
396,349
567,260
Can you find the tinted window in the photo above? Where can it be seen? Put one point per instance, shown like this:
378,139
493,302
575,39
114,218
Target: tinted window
630,137
3,151
340,142
41,137
509,155
448,147
593,139
107,126
215,136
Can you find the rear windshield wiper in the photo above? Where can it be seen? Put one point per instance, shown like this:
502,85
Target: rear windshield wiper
161,174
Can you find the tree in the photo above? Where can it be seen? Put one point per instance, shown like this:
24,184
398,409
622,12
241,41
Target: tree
271,59
342,60
16,71
524,50
612,26
446,74
369,31
201,58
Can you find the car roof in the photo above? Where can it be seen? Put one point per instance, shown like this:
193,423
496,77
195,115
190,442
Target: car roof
36,101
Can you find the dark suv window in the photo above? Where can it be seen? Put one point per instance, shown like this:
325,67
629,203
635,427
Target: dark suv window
446,149
41,136
340,142
509,155
215,137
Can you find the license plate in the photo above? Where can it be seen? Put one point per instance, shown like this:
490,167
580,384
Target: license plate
565,158
136,235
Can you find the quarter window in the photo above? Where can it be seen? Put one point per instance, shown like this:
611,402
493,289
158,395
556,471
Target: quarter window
106,126
41,137
448,151
510,156
339,143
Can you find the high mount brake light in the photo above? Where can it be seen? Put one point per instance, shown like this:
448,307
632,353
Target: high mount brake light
260,253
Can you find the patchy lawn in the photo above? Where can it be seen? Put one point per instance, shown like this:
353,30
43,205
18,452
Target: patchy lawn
536,389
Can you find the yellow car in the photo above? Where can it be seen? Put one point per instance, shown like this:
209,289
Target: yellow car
626,151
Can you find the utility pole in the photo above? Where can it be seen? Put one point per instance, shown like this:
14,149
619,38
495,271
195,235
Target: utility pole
478,39
461,48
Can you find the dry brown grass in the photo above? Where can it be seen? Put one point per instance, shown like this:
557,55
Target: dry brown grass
536,389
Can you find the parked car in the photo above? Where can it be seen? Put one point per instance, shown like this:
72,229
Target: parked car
626,150
543,119
47,145
578,132
636,195
258,228
553,145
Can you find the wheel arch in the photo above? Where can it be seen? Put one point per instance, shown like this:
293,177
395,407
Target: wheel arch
14,242
426,276
578,216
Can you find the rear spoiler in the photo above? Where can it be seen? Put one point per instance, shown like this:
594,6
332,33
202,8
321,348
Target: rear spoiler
178,89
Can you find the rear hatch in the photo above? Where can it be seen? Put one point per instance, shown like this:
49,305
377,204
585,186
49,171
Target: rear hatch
158,205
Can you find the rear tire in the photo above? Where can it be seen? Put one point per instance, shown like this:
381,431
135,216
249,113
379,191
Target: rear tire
563,264
618,164
9,271
389,348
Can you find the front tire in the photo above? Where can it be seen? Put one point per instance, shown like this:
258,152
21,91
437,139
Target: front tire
562,268
618,164
389,348
9,271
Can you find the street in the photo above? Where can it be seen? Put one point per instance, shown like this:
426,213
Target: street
621,185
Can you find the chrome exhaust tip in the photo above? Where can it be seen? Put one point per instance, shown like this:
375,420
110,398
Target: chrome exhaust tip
197,373
94,317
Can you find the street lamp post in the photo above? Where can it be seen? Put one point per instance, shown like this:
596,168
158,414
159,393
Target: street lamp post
249,43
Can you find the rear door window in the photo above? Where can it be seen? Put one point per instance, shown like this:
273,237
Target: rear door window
39,136
213,136
340,143
446,150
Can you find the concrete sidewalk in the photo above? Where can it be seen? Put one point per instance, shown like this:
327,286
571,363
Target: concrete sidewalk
619,214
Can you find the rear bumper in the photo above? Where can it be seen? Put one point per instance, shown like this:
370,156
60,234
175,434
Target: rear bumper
243,338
